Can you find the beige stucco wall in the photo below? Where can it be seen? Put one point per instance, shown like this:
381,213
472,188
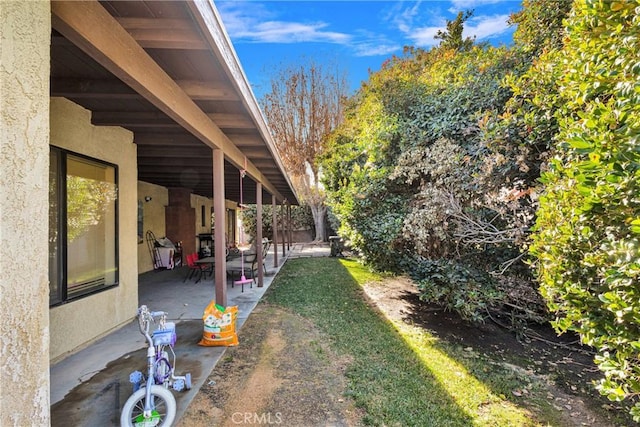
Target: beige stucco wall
196,203
24,208
77,323
153,219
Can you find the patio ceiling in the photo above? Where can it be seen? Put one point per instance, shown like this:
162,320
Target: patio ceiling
167,71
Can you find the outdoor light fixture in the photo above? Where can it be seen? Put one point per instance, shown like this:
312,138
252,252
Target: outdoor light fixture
147,198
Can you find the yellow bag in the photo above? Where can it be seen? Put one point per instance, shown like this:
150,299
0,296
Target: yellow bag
219,326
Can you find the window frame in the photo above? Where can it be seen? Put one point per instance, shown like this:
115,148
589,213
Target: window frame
61,294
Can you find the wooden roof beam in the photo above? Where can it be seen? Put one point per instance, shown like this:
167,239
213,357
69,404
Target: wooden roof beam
158,119
232,121
114,88
207,90
92,88
89,26
158,33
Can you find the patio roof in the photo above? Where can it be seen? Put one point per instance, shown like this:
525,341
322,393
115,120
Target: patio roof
166,70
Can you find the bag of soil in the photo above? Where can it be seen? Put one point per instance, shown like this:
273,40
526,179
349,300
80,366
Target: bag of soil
219,326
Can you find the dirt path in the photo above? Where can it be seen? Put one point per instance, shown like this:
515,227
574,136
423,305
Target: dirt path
282,373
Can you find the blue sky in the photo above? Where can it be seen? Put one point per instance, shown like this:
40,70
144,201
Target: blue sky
357,35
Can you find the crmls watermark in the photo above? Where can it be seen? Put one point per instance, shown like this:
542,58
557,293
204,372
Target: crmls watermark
266,418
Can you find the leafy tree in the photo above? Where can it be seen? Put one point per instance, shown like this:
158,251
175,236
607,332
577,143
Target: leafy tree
435,167
587,235
451,38
540,27
357,160
402,171
303,107
87,204
519,140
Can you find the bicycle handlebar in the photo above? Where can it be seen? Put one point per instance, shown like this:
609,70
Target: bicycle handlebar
155,314
145,317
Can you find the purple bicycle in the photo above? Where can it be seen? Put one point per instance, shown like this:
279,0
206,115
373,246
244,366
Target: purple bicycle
152,403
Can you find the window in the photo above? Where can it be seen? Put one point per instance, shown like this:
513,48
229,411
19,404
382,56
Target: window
83,246
140,222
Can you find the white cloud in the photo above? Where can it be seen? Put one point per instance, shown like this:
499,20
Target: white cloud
462,5
403,18
486,27
251,22
369,43
291,32
424,37
237,17
480,27
375,49
419,22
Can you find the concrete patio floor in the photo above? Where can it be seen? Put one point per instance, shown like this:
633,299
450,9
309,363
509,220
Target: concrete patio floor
89,387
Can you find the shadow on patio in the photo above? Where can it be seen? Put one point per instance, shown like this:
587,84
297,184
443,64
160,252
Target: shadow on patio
89,387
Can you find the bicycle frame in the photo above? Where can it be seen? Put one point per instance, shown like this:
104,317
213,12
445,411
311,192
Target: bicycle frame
163,337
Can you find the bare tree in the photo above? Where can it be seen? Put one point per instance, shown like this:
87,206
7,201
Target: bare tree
305,104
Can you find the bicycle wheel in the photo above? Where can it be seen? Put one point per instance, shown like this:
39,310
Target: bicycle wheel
163,408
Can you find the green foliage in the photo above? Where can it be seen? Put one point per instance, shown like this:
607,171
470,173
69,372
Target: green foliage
441,156
587,235
87,203
403,172
301,219
455,286
520,138
450,154
368,207
451,38
539,26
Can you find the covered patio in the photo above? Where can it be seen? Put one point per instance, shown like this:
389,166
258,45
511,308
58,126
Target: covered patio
125,92
90,387
167,72
165,75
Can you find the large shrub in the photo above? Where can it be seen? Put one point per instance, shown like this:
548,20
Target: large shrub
369,208
301,219
587,236
455,286
409,173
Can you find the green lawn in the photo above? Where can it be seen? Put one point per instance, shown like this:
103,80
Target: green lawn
400,375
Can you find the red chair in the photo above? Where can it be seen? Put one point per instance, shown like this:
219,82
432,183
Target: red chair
195,268
206,267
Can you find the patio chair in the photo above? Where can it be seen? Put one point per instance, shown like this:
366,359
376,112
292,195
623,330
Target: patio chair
248,263
266,244
207,267
194,268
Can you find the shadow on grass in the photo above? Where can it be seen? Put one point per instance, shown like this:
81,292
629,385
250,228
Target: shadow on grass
517,366
395,382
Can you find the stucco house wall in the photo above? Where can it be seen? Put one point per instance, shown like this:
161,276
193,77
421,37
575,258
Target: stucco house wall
153,219
80,322
196,203
25,30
